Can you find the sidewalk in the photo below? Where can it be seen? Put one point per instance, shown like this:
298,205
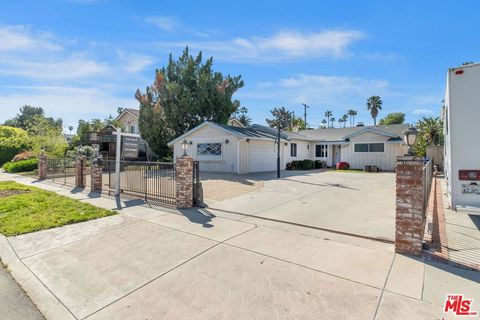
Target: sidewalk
205,264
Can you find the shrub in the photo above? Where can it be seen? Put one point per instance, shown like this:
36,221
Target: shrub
288,166
12,142
23,156
21,166
343,166
308,164
320,164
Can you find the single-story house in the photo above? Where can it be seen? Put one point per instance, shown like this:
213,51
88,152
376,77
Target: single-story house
226,148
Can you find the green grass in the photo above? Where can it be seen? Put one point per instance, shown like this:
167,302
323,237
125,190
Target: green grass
36,209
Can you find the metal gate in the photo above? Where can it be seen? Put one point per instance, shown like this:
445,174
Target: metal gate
197,187
61,170
150,181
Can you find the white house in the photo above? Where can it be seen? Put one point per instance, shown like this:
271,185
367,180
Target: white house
462,141
226,148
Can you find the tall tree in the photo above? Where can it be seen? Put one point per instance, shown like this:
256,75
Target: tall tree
352,113
344,119
184,94
332,121
328,114
242,116
430,133
282,119
324,123
374,105
28,115
393,118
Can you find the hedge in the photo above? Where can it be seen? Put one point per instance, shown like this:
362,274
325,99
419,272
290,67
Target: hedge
12,141
21,166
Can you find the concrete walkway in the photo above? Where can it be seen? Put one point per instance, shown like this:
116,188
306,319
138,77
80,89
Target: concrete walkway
205,264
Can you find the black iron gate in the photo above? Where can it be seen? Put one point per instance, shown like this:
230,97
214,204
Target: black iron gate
150,181
61,170
197,187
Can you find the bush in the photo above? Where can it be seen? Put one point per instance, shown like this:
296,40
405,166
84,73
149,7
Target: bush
320,164
300,165
21,166
23,156
343,166
12,141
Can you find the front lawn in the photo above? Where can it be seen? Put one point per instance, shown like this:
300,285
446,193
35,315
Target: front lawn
25,209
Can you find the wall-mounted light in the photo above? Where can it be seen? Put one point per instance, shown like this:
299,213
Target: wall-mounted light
248,140
286,144
308,147
226,141
191,142
184,147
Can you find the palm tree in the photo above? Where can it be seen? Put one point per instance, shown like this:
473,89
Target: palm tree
70,128
328,114
374,104
344,119
352,113
431,130
332,121
324,123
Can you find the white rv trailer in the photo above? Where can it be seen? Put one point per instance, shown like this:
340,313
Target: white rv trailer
462,136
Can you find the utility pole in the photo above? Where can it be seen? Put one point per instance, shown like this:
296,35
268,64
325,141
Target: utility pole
305,107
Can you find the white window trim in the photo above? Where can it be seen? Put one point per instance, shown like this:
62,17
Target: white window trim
326,150
209,157
368,152
296,150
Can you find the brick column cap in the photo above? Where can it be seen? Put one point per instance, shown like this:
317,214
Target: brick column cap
409,158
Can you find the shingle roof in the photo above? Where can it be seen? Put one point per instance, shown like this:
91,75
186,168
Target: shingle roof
255,131
337,134
134,111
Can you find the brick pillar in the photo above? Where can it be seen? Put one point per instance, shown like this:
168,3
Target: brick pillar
184,182
96,178
80,174
42,166
409,205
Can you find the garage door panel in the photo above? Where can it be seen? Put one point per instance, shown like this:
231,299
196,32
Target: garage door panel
262,156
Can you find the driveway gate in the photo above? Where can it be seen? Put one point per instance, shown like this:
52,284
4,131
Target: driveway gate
150,181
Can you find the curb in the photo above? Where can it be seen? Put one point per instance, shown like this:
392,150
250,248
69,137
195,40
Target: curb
45,301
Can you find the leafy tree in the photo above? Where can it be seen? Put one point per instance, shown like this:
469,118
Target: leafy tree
374,105
184,94
393,118
430,133
70,129
282,118
120,110
29,114
85,127
328,114
12,141
352,113
46,137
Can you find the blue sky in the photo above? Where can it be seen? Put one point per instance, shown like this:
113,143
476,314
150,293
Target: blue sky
81,59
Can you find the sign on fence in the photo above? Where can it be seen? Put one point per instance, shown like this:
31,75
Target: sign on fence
130,147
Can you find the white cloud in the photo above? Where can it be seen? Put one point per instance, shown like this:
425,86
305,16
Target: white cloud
18,37
284,45
163,22
75,66
423,112
134,63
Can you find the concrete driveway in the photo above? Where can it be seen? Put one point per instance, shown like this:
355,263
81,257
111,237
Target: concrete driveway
352,202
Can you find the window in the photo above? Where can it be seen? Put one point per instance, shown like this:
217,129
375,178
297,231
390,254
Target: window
209,149
133,129
369,147
321,150
293,149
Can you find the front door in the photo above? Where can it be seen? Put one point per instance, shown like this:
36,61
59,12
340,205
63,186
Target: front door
336,154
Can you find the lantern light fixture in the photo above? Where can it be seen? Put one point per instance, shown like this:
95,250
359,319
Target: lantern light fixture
184,147
409,137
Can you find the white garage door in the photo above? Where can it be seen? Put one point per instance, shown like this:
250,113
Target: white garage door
262,156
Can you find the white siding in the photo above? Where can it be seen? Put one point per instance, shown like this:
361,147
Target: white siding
227,162
384,160
303,151
243,156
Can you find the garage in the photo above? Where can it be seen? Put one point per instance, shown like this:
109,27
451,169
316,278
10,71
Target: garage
262,156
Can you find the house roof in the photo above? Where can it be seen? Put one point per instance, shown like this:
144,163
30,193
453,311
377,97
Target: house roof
134,112
256,131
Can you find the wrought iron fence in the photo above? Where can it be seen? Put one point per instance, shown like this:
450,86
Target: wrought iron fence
151,181
427,183
197,191
61,170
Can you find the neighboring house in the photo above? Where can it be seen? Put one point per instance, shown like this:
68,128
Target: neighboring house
129,119
462,145
234,122
227,148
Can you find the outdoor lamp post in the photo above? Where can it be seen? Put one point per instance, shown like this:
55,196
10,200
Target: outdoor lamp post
184,147
409,137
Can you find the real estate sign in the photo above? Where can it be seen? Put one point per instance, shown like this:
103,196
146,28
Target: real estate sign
130,147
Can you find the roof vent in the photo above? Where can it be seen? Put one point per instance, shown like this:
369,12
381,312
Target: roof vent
360,124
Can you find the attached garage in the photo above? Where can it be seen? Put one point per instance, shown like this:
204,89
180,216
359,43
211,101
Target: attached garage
262,156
